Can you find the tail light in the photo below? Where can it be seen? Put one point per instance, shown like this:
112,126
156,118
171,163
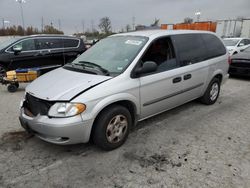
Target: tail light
229,60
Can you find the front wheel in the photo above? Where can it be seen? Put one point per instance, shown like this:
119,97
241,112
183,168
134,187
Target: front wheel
212,93
112,127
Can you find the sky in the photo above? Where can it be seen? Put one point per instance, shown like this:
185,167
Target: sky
79,15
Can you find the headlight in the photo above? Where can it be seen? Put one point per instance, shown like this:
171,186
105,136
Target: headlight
66,109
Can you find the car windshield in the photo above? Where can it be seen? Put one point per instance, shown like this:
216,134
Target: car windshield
6,42
112,54
230,42
247,49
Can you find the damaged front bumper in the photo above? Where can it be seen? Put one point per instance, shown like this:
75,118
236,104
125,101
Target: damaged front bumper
61,131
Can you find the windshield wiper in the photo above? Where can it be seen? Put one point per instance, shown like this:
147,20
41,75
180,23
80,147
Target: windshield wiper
93,65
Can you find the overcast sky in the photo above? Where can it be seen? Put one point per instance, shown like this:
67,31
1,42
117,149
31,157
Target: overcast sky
72,13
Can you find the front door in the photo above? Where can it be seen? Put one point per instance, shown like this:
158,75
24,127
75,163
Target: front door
160,90
26,58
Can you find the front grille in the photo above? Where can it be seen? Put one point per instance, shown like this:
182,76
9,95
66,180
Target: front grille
37,106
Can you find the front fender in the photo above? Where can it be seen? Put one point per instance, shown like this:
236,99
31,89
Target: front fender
113,99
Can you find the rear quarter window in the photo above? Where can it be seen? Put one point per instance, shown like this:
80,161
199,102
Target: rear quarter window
70,43
214,46
49,43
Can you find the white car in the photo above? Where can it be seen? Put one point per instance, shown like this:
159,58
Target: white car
236,45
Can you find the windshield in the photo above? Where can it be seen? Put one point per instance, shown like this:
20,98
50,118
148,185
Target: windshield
230,42
113,54
6,42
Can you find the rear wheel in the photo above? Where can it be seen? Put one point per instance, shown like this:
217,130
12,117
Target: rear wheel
212,93
12,88
112,127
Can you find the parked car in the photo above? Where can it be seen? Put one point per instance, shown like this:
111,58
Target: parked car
240,63
39,50
121,80
236,45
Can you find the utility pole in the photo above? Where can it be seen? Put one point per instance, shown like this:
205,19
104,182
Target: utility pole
198,15
92,25
59,25
3,24
21,8
133,23
83,26
42,25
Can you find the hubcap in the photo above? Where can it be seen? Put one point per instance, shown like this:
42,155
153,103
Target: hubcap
214,91
117,128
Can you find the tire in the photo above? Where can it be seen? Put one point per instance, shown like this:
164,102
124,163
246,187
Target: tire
212,93
12,88
112,127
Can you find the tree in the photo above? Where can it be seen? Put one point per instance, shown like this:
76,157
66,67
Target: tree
155,23
188,20
49,29
105,25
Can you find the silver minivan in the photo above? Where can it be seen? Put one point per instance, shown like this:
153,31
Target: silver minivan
121,80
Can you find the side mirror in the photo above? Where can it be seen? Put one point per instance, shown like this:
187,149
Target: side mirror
147,67
17,49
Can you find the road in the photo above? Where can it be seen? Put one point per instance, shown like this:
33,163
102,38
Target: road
191,146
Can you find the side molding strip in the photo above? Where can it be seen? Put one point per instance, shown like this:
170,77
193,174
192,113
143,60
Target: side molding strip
173,94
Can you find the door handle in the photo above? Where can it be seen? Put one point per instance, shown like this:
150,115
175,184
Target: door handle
176,80
187,76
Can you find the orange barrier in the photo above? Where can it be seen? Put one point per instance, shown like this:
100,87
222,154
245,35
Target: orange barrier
205,26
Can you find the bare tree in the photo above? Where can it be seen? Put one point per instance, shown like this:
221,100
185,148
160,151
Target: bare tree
188,20
105,25
156,22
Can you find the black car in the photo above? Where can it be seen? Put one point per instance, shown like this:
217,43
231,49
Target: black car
240,63
39,51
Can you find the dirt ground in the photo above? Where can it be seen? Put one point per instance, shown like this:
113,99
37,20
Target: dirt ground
191,146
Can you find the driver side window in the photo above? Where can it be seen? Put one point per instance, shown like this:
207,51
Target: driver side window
161,52
26,45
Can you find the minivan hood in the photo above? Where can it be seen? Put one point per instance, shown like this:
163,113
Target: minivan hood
62,84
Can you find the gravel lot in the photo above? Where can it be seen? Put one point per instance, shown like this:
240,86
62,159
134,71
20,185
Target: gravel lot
191,146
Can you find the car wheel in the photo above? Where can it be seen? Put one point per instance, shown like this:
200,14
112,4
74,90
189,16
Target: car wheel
112,127
12,88
212,93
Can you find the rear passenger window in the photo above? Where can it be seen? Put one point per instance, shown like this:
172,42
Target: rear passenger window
214,46
190,48
70,43
49,43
